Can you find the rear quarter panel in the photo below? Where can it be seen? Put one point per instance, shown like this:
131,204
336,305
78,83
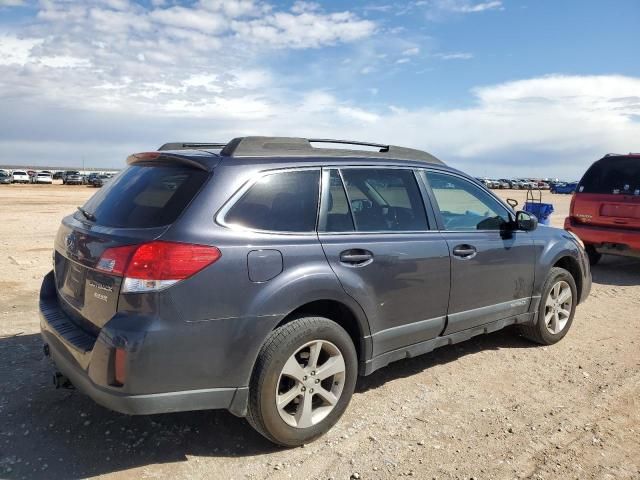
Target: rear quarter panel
221,314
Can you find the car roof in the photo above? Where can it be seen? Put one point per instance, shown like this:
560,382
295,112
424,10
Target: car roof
288,151
303,147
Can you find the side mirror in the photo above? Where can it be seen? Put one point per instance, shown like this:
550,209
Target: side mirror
512,202
526,221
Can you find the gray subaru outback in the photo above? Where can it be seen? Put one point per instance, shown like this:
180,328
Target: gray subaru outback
264,275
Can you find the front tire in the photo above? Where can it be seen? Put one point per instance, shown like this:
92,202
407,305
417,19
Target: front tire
556,310
303,381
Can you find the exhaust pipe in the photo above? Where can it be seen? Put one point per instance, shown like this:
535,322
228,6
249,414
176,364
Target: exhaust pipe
60,381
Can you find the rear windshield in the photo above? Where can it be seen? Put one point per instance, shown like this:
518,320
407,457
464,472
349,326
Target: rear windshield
145,196
613,175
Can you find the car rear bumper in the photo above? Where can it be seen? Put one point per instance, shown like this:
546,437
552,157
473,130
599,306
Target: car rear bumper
213,398
609,240
87,362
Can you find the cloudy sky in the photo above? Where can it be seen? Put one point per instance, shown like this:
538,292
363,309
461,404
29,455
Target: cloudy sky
495,87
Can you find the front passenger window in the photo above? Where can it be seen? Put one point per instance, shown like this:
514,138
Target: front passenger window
464,206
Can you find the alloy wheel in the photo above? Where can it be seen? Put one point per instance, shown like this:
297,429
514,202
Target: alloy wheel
558,307
310,384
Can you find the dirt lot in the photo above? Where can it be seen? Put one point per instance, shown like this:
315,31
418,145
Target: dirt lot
494,407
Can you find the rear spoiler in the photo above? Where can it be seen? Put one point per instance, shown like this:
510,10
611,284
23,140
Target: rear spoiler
200,162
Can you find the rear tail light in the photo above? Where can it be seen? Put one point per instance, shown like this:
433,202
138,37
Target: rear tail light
156,265
115,260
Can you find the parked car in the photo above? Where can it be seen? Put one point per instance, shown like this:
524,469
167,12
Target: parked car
524,184
72,177
41,177
100,180
5,178
91,177
264,276
605,210
566,188
488,182
58,175
505,183
20,176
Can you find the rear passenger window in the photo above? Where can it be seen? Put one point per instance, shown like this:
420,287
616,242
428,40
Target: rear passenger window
338,213
279,202
384,200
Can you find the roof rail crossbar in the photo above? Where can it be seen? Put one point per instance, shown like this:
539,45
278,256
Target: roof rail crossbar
383,148
189,146
297,147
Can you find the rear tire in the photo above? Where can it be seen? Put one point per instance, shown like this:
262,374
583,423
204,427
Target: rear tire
594,255
292,400
556,310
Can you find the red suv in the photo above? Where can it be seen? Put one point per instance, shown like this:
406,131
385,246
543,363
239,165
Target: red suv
605,210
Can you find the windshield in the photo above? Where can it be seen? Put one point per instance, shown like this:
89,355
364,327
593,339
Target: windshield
612,175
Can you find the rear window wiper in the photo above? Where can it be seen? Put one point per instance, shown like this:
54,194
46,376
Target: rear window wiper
88,215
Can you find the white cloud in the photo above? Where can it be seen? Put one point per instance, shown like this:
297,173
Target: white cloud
454,56
117,22
304,30
14,50
411,51
11,3
437,9
236,8
117,4
478,7
64,61
301,7
554,125
189,18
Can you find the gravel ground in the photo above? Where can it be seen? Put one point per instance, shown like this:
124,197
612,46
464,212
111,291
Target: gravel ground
494,407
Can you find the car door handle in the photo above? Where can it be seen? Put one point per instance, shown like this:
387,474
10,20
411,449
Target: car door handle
465,251
356,257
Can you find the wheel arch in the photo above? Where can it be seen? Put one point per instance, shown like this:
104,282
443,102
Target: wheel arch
355,325
571,265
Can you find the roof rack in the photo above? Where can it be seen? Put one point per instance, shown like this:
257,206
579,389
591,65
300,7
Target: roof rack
189,146
297,147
